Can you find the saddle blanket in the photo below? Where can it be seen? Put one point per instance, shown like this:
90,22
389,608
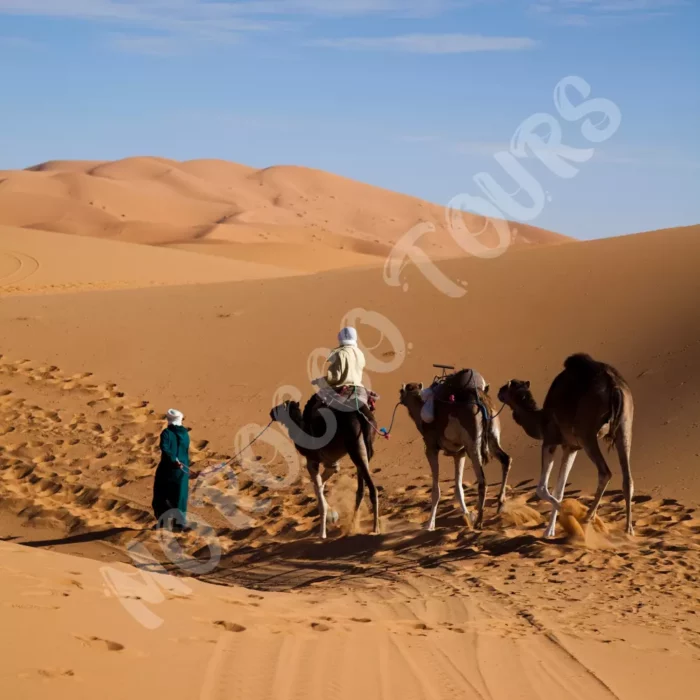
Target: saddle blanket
348,398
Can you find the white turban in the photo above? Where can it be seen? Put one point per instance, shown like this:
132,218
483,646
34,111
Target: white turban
348,336
174,416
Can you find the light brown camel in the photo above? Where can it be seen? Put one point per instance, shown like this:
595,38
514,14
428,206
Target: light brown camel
459,429
587,401
324,439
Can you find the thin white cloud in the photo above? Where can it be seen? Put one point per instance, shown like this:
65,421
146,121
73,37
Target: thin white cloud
574,21
418,138
218,20
146,45
646,158
211,9
430,43
584,13
18,42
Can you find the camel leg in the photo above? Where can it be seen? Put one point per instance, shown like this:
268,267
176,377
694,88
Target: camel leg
623,451
478,466
506,463
358,496
314,472
361,462
459,483
494,437
567,462
547,465
604,474
432,455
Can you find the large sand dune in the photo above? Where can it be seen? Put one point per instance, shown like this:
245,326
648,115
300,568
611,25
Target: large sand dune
217,207
86,375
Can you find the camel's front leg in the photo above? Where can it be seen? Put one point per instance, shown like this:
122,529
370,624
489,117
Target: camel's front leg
318,482
547,465
459,486
432,455
567,462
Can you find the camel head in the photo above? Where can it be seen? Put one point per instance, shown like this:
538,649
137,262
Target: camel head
410,391
515,394
289,411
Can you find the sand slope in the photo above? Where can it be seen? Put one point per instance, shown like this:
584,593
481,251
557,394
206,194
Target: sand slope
85,625
33,261
199,204
85,378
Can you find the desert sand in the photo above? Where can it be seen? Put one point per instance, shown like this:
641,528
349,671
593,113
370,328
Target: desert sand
102,334
286,216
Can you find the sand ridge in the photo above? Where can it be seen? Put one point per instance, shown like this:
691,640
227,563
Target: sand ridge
86,375
440,614
307,219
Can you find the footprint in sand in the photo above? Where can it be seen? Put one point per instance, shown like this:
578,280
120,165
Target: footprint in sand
230,626
320,627
50,673
99,642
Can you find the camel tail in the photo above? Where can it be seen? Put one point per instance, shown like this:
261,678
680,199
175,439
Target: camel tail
620,414
487,427
485,440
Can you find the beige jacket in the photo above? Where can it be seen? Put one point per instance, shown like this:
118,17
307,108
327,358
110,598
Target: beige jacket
346,365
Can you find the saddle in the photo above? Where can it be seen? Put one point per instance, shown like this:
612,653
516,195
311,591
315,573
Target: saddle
354,396
458,386
346,399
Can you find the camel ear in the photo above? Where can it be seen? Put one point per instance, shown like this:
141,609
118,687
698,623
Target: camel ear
403,388
527,385
420,387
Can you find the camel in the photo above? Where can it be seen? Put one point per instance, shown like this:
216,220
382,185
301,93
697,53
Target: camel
324,439
459,429
587,401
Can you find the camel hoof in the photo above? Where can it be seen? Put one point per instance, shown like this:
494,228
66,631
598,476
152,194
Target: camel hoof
630,531
549,533
430,527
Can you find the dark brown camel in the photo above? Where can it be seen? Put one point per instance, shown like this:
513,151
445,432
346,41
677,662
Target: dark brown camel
459,430
587,401
324,439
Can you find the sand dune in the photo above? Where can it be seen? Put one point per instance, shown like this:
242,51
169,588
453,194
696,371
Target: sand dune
86,375
217,642
163,202
33,261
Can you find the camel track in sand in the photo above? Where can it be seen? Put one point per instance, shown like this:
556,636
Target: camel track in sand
21,266
78,455
403,650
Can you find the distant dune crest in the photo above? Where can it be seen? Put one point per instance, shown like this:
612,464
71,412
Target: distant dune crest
303,219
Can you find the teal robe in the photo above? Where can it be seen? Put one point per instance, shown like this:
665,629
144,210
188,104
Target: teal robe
171,487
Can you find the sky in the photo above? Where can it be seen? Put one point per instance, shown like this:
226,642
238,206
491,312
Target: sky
425,97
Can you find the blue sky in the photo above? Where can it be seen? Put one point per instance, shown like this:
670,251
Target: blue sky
413,95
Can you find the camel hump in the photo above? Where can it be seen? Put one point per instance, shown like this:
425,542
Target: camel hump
583,363
587,368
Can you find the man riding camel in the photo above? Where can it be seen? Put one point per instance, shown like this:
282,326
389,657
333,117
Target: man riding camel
342,387
346,362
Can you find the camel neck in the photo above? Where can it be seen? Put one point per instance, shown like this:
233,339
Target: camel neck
414,409
530,420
